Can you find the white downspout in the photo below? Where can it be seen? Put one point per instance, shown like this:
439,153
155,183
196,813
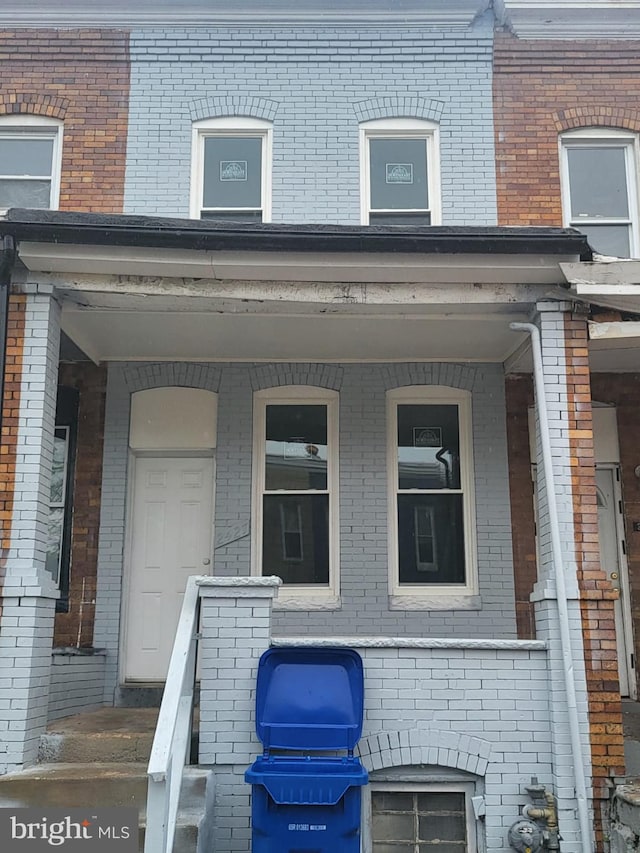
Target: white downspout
561,590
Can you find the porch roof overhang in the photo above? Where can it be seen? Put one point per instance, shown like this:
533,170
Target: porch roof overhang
150,288
196,13
570,19
153,232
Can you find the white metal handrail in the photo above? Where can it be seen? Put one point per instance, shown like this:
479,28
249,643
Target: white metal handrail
173,733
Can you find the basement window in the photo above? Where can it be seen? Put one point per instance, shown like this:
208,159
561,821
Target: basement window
30,159
420,819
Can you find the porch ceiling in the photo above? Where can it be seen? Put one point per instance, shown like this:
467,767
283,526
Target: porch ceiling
253,331
350,333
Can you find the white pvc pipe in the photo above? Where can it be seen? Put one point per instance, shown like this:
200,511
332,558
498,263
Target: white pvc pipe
561,590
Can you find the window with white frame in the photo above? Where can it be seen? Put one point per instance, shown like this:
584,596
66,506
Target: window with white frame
231,170
60,517
30,158
400,177
599,188
416,818
296,483
432,519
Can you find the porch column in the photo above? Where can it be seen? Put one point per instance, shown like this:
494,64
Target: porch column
28,594
235,625
590,604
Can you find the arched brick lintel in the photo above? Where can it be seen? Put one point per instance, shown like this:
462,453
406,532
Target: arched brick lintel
597,116
143,377
233,105
33,103
432,746
394,106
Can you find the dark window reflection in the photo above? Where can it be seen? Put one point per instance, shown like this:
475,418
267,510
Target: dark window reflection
431,539
296,538
428,447
296,448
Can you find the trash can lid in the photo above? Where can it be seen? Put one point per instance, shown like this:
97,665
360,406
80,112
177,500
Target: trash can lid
309,698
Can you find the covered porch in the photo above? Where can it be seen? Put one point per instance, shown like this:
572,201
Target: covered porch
387,512
207,330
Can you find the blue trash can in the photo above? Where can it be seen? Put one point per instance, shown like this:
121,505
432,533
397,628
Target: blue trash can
307,784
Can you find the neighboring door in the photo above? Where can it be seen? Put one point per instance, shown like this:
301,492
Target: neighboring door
170,539
611,536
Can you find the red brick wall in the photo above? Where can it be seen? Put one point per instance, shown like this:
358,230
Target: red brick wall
542,88
75,628
81,77
519,395
596,595
10,418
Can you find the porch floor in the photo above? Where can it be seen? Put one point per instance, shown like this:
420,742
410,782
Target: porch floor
140,720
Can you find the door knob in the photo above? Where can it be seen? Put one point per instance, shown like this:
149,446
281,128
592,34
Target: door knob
614,576
206,561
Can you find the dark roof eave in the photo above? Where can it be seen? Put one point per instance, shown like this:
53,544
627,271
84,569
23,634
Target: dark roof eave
49,226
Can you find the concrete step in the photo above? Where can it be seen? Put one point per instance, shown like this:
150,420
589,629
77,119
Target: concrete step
105,735
185,839
71,785
106,784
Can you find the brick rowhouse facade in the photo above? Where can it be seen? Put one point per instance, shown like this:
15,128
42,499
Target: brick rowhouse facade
82,78
542,89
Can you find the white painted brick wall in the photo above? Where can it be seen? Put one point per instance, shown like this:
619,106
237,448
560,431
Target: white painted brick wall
363,493
477,710
315,85
551,324
28,594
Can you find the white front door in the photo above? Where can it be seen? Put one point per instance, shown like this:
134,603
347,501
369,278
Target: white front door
170,538
610,534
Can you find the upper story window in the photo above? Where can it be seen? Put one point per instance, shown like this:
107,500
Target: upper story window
432,541
30,157
296,488
599,188
231,170
400,176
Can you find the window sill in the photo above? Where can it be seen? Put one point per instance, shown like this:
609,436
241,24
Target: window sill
452,601
306,602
